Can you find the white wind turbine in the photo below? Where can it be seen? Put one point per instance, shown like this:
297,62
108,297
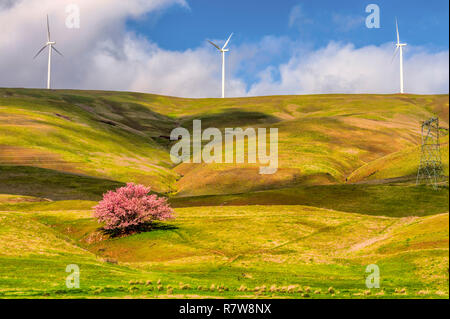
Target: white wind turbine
51,47
223,50
399,47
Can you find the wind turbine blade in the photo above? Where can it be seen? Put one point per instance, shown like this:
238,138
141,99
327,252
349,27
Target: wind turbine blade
39,52
57,51
218,48
395,54
398,34
226,43
48,29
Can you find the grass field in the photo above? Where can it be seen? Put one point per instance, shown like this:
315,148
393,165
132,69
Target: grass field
123,136
344,197
380,200
289,247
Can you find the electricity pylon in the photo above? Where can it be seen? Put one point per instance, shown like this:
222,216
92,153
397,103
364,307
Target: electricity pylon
430,167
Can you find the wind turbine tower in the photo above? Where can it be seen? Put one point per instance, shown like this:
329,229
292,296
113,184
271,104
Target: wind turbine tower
51,46
399,47
223,50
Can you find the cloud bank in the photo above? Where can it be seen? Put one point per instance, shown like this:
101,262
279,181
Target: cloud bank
342,68
103,54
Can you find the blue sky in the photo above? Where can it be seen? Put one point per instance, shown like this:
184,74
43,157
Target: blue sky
424,23
279,46
309,24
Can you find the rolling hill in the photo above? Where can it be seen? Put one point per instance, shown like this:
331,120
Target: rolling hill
123,137
404,163
216,252
344,197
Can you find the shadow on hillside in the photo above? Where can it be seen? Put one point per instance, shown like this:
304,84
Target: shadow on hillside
155,226
392,200
51,184
230,118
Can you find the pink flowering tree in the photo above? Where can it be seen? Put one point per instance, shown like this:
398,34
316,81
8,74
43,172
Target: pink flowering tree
129,208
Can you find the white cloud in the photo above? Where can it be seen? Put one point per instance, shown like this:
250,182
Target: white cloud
103,54
5,4
342,68
145,67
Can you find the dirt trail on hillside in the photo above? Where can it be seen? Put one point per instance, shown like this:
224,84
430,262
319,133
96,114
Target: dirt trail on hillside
385,234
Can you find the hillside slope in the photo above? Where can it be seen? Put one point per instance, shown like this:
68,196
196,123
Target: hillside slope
254,246
399,164
84,135
322,140
122,136
34,257
301,227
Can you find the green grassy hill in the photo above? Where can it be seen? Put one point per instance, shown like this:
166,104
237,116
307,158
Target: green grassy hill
323,139
123,136
330,210
34,257
404,163
393,200
84,135
216,252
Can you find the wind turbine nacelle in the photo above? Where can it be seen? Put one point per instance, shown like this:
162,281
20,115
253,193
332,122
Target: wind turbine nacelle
226,50
51,43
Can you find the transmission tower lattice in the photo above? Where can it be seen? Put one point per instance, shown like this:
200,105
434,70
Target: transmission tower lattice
430,168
